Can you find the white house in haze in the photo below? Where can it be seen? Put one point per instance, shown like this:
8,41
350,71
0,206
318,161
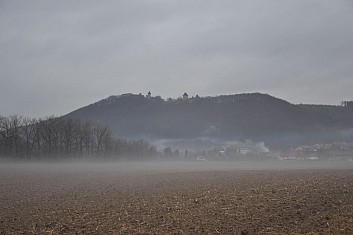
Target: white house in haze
243,150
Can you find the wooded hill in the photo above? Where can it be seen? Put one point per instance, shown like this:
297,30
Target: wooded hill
255,116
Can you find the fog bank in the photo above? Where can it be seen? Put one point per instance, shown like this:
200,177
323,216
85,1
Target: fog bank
171,167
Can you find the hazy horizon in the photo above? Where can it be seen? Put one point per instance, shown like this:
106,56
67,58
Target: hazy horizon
160,166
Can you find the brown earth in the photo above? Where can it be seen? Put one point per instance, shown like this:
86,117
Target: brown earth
89,201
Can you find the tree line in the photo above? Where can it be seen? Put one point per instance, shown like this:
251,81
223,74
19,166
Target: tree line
54,138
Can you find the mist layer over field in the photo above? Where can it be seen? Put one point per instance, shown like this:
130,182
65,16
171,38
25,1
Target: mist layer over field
164,166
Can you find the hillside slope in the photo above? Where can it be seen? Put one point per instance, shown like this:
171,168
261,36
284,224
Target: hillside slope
259,117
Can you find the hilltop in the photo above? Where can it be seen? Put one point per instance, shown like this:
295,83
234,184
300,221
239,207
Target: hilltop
254,116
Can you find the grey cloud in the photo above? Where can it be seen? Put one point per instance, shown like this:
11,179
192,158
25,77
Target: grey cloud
56,56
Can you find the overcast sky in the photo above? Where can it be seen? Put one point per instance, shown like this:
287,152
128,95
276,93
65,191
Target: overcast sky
57,56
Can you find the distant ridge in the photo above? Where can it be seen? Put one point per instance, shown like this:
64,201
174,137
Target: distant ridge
254,116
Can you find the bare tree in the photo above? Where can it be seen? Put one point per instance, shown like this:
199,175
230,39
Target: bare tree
67,130
3,135
101,137
29,130
49,134
86,137
10,135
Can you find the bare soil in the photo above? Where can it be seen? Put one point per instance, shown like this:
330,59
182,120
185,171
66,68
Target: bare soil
91,201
